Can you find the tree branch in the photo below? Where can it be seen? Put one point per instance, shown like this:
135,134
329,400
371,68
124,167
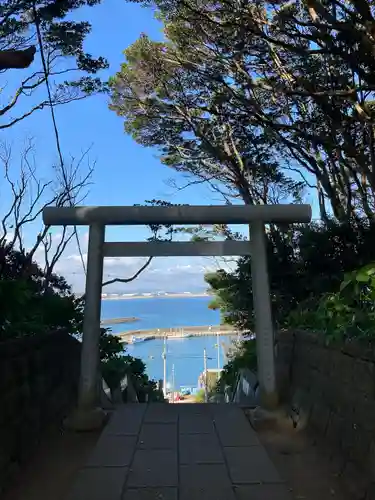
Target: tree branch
132,278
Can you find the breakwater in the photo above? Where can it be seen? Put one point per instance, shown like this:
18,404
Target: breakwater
118,321
181,332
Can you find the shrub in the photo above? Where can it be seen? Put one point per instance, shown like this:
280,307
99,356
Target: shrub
345,314
199,397
244,356
304,262
32,303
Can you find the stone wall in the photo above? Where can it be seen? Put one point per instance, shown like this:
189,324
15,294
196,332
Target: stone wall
333,387
38,384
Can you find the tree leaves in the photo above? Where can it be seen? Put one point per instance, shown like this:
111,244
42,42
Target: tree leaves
310,264
63,43
27,305
259,88
172,99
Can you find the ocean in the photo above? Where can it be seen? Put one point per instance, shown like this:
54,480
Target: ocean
185,355
160,312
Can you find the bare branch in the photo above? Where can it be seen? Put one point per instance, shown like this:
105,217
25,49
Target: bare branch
63,92
173,183
30,195
132,278
40,106
50,261
155,228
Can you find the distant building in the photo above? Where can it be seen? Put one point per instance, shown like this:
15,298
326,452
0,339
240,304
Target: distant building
212,377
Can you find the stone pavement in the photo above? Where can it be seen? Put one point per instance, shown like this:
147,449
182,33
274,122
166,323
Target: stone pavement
179,452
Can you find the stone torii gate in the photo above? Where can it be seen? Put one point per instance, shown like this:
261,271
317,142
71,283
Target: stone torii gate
88,414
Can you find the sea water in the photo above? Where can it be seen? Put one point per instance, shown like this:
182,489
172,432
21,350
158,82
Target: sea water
160,312
185,354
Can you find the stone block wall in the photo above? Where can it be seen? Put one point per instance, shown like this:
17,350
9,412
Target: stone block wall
38,385
334,388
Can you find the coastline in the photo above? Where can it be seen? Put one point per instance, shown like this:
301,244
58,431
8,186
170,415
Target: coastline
169,296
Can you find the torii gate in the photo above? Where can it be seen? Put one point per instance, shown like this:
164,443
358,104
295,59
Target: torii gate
88,414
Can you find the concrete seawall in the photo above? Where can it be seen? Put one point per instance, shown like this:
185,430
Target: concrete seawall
184,331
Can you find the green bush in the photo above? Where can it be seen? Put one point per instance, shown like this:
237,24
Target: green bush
199,397
244,356
115,364
345,314
33,303
305,262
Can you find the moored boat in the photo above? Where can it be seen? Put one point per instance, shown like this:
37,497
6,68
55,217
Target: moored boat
137,340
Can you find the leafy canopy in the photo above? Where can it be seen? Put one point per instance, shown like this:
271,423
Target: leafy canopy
72,72
311,262
30,302
182,109
253,96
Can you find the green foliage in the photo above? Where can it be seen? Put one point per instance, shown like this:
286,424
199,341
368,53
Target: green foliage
72,71
110,346
200,396
186,115
232,295
136,365
243,356
114,370
31,303
60,35
210,378
241,94
147,390
116,364
345,314
161,232
315,283
304,263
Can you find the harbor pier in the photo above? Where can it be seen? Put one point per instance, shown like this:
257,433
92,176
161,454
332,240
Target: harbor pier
178,332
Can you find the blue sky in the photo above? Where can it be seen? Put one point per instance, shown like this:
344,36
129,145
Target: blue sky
125,173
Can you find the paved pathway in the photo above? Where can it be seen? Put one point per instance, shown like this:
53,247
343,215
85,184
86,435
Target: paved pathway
179,452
